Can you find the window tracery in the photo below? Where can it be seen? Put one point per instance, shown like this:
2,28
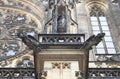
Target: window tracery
17,16
12,23
9,48
25,63
12,18
99,24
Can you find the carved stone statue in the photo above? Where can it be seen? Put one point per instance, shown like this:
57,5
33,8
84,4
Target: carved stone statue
29,40
61,19
93,40
61,23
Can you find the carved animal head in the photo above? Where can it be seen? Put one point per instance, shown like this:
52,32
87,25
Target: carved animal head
101,35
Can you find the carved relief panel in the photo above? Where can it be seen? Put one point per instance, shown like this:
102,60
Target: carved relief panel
61,69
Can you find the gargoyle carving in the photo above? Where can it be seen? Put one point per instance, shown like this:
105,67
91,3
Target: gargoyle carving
92,40
29,40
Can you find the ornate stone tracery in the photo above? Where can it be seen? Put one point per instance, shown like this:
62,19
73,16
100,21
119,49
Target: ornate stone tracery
17,16
96,10
7,46
26,62
21,4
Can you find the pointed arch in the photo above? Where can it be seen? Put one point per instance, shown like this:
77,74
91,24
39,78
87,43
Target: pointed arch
99,24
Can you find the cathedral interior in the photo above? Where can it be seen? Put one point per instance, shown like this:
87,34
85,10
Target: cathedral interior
59,39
